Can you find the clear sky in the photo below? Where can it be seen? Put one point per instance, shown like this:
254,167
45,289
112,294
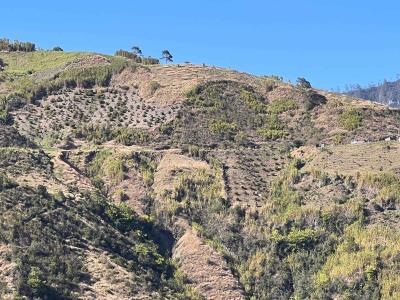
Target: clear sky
331,43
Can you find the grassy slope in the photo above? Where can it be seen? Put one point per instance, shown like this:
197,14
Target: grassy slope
38,61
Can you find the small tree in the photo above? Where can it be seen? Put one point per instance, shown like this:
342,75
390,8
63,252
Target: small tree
167,56
35,280
303,83
136,50
57,48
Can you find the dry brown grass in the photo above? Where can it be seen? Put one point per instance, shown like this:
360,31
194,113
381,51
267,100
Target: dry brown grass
176,80
207,271
350,159
170,165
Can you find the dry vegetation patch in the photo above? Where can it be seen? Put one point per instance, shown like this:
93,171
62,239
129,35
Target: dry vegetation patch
351,159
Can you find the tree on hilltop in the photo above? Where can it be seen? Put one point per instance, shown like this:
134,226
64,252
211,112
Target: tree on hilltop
136,50
303,83
167,56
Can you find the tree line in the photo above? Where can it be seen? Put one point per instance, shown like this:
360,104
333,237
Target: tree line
137,56
13,46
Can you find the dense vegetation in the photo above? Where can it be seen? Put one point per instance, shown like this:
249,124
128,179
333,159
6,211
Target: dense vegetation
48,234
295,247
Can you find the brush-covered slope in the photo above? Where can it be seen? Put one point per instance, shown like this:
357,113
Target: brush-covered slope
129,181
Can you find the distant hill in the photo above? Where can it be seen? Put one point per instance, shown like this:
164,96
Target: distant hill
387,93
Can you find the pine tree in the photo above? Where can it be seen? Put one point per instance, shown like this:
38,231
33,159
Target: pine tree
167,56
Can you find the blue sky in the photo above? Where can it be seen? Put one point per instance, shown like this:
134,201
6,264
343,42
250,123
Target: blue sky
331,43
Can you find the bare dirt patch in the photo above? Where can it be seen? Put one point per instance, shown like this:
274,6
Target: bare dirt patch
208,272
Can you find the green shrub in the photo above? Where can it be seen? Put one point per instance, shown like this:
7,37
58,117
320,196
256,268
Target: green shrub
95,133
296,239
279,106
350,119
273,128
167,128
369,259
131,136
272,134
223,128
5,117
253,101
146,165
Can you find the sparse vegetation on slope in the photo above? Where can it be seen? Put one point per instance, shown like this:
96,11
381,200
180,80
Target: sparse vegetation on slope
190,182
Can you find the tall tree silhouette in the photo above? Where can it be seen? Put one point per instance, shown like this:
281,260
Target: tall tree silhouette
136,50
167,56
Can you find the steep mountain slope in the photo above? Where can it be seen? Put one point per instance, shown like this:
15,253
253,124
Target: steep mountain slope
129,181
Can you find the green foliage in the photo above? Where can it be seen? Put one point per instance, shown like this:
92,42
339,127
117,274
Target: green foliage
167,128
365,257
196,196
5,182
19,64
211,100
31,89
241,139
99,134
5,117
272,134
253,101
146,165
223,128
279,106
350,119
296,239
135,56
106,165
131,136
35,281
273,128
387,184
283,196
95,133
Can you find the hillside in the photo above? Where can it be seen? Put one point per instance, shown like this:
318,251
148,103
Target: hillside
387,93
124,180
